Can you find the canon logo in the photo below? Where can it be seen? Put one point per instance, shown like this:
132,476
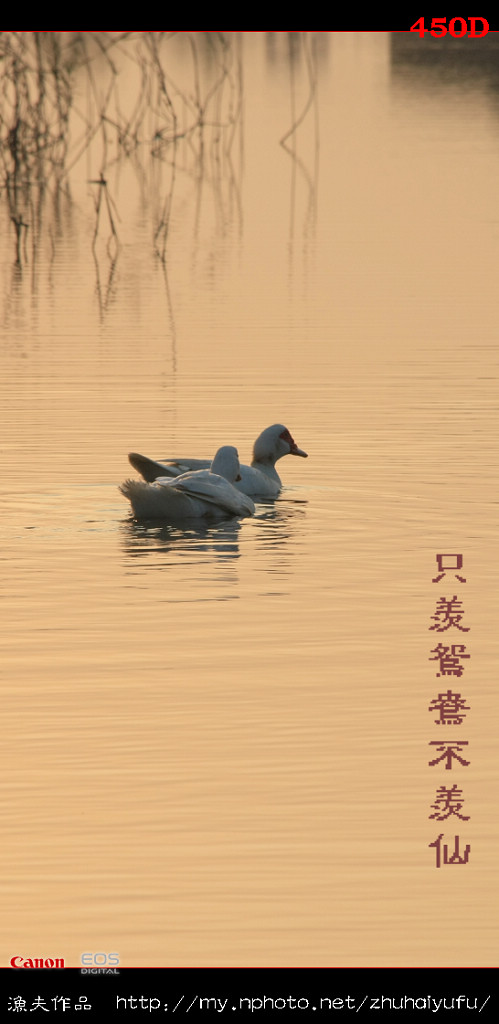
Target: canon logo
19,961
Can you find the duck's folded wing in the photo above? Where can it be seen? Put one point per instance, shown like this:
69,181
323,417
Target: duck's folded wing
185,481
151,470
216,491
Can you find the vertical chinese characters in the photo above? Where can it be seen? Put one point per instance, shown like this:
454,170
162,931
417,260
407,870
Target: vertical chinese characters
449,708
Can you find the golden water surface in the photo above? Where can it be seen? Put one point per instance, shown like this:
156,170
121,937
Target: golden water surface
216,739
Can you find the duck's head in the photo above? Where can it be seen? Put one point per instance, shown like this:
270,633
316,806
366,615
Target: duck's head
226,463
273,443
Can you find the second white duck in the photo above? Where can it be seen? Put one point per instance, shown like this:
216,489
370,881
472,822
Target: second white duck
259,478
208,493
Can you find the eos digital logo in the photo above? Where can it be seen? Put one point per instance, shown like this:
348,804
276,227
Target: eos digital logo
99,963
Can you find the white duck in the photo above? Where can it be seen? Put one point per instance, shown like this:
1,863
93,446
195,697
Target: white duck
207,493
259,478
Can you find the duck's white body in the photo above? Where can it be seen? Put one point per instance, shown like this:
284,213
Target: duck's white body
208,493
259,478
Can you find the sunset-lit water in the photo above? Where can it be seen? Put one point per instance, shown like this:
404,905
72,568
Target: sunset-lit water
216,737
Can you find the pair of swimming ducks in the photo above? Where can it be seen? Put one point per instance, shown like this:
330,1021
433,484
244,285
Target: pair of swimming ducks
193,488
